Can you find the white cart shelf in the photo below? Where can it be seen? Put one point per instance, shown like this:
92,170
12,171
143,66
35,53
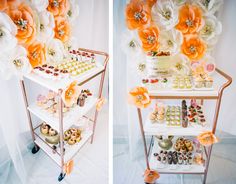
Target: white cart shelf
221,81
177,169
64,152
69,117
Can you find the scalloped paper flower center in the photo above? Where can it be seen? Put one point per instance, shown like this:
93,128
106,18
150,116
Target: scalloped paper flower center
137,16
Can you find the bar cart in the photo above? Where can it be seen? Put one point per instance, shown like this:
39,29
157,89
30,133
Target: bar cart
61,155
222,81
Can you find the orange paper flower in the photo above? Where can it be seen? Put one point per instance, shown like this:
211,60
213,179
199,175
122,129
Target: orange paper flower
58,7
207,138
69,167
137,14
193,47
23,18
70,94
36,54
151,3
190,19
101,101
150,176
62,29
6,4
149,38
139,97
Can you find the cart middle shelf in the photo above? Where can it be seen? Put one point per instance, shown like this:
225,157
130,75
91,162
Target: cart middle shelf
69,118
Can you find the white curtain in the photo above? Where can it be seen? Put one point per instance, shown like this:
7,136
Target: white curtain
91,32
125,116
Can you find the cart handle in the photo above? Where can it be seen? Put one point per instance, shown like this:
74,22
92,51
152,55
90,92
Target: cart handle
98,53
226,76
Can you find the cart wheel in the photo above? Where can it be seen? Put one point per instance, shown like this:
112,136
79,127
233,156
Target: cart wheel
35,149
61,176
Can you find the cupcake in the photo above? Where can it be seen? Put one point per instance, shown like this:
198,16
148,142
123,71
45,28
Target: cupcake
52,132
44,129
208,82
71,141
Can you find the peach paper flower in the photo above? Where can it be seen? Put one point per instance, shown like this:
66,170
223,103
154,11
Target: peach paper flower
190,19
207,138
101,101
193,47
71,94
139,97
62,29
58,7
69,166
149,38
37,54
23,18
6,4
150,176
137,14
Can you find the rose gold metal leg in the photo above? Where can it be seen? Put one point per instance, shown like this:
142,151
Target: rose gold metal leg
22,85
61,130
143,137
96,112
202,101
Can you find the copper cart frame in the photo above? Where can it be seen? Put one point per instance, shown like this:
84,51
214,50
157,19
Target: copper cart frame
208,150
36,148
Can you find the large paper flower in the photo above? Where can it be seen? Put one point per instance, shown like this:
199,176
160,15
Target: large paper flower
7,33
181,64
62,28
190,19
211,30
149,38
71,94
58,7
165,14
23,18
130,44
55,51
210,7
137,14
73,11
193,47
45,26
37,54
170,41
39,5
7,4
207,138
14,62
150,176
139,97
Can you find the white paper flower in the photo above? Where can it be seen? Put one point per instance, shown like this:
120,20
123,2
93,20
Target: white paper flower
179,2
14,62
73,12
170,41
55,51
210,7
181,64
165,14
8,31
45,26
211,30
71,44
130,44
39,5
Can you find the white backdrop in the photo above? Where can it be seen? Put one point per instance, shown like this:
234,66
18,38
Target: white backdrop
91,32
125,117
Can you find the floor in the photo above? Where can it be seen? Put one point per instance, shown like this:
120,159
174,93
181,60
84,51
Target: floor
221,171
91,164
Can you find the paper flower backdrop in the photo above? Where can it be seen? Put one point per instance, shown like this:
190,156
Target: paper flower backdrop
184,27
33,32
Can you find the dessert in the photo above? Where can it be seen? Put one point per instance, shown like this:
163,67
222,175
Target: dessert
72,136
158,115
173,116
183,145
51,135
196,115
203,80
181,82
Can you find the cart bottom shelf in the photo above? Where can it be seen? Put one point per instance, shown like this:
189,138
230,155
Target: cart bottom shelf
70,151
172,169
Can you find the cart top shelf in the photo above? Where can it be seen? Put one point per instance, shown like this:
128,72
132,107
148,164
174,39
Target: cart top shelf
221,81
55,85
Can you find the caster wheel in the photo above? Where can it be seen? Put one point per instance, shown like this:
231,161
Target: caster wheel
61,176
35,149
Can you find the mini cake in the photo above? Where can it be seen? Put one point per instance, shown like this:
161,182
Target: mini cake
209,82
